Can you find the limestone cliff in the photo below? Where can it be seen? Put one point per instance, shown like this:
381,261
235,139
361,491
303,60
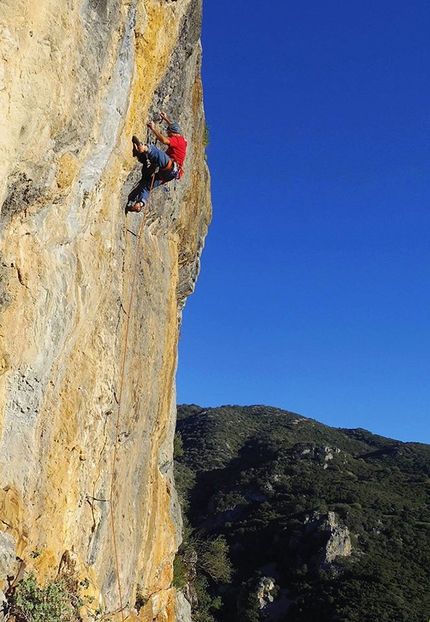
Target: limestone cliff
81,373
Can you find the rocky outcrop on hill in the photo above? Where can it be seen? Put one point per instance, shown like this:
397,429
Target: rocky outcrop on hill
339,542
87,385
335,538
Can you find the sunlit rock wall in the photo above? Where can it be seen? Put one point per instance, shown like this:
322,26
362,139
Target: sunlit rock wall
81,373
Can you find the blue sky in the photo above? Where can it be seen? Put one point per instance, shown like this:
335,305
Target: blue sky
314,290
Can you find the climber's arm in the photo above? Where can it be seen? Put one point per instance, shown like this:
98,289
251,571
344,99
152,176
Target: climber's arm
163,139
166,118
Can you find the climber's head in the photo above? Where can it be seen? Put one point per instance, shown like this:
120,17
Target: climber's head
174,128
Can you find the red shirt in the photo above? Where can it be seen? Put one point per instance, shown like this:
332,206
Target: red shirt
177,149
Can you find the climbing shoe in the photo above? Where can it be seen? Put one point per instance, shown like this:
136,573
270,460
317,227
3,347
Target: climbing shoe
139,148
136,207
136,141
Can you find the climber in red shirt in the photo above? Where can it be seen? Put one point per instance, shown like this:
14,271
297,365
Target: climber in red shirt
169,163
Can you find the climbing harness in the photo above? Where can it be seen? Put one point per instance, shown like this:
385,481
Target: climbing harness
119,401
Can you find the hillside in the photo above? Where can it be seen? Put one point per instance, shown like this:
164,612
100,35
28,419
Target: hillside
320,523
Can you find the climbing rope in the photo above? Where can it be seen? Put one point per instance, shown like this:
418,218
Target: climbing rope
119,399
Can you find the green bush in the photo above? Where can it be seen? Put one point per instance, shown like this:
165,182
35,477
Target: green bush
213,559
206,138
207,603
52,603
178,447
180,572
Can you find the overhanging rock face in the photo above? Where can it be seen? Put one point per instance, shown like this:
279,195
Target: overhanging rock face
77,79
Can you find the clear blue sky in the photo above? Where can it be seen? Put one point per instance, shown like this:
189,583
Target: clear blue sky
314,290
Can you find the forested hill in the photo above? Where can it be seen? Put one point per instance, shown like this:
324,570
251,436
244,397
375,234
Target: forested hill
318,523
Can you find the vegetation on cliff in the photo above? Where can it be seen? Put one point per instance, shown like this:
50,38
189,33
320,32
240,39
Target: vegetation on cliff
321,524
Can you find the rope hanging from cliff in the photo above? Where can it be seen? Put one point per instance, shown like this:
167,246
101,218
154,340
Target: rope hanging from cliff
119,399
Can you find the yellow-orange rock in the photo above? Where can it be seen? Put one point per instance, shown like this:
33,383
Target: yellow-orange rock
87,383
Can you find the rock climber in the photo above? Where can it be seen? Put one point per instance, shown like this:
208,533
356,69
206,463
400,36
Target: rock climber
169,163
